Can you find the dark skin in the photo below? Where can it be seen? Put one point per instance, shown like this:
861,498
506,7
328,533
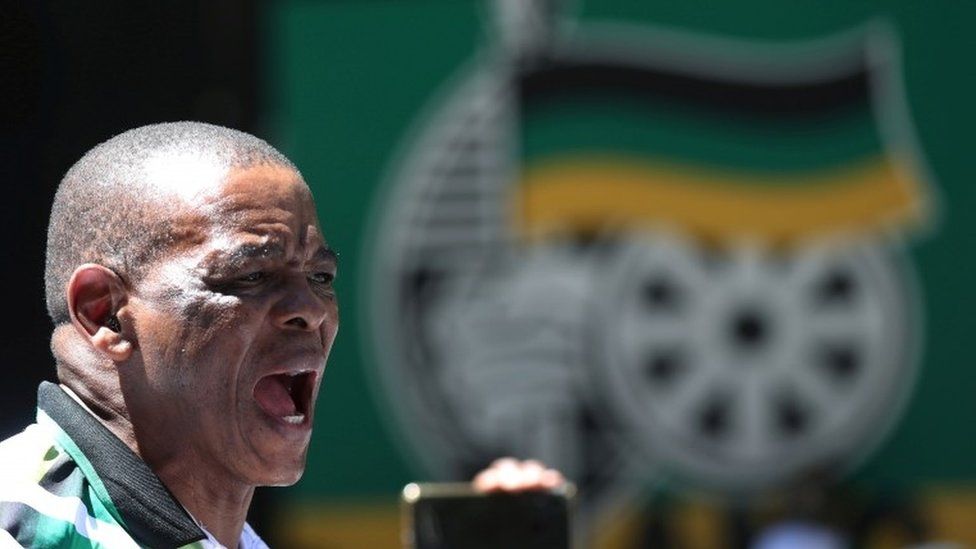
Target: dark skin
241,301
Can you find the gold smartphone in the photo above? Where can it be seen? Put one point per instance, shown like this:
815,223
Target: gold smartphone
454,516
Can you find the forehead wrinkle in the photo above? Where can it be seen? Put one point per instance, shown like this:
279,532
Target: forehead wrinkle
187,229
241,190
228,215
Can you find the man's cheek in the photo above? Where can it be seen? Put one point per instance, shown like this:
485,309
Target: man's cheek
207,322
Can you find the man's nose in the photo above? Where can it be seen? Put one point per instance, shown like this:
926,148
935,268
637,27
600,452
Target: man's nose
300,307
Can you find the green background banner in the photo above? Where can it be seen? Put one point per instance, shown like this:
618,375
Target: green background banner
351,79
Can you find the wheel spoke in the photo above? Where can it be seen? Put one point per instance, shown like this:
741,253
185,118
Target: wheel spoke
806,381
654,332
833,324
677,406
753,415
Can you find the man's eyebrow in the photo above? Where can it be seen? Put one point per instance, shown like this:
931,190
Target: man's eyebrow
243,253
254,251
246,252
327,254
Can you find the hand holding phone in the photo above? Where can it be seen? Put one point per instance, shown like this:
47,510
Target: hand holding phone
457,516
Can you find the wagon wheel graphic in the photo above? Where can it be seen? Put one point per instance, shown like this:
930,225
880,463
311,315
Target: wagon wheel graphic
737,368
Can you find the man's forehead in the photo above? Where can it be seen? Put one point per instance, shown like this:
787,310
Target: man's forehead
244,222
200,184
183,174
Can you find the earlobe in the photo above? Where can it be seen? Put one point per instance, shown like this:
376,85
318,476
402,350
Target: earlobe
95,295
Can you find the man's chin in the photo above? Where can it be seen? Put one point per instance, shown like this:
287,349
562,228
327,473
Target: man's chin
277,474
276,464
286,480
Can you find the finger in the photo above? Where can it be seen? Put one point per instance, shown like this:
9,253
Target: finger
504,462
531,474
510,475
551,478
486,481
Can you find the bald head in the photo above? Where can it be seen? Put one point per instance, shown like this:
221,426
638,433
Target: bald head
111,207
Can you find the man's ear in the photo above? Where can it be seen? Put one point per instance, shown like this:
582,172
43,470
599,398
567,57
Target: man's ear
95,294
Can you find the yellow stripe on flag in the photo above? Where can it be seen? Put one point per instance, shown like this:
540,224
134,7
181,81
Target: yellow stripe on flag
592,194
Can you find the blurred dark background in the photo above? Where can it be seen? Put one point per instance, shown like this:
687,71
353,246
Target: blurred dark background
73,75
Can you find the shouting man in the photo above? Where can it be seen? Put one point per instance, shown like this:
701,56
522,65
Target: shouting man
191,290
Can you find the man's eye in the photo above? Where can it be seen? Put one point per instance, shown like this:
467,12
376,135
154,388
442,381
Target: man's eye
322,278
257,276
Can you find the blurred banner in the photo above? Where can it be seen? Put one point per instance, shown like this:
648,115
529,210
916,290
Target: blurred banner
703,259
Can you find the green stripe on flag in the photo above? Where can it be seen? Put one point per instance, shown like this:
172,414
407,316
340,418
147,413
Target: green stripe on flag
679,133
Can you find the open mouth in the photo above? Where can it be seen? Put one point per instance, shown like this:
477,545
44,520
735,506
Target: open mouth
286,396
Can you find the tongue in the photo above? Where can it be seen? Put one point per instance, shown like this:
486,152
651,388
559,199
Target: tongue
272,395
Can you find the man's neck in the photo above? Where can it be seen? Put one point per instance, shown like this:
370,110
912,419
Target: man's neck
222,512
221,508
